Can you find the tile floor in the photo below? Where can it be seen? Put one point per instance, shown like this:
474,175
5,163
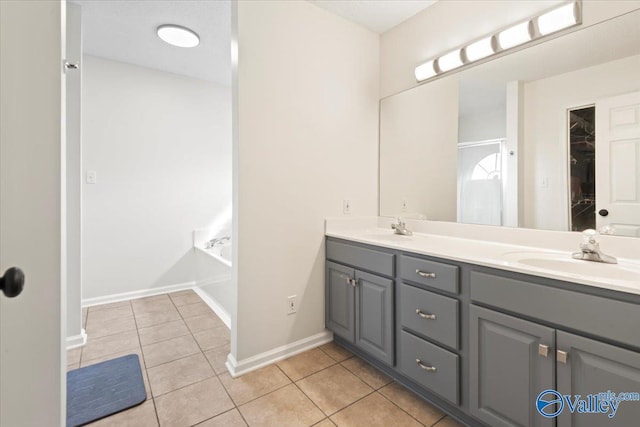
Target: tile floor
182,347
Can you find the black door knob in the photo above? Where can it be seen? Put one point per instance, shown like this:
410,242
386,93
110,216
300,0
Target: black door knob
603,212
12,282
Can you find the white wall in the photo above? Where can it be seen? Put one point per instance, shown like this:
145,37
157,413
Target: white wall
418,146
307,138
161,146
483,125
545,110
450,24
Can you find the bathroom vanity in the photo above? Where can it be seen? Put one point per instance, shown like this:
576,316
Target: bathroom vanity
481,339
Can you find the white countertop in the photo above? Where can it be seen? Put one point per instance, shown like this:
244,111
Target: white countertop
623,277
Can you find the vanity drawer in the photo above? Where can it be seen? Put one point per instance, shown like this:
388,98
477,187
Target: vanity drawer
430,273
417,356
594,315
417,306
362,258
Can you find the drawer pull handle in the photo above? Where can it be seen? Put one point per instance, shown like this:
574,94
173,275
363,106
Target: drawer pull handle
562,356
426,274
425,367
425,315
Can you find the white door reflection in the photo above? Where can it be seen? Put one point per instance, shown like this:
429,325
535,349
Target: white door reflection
480,182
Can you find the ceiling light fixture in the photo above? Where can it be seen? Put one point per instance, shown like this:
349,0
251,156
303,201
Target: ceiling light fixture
560,18
178,36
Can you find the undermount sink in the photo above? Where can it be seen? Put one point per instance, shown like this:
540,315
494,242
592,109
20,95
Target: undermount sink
625,270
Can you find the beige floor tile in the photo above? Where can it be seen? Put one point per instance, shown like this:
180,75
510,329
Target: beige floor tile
156,318
286,407
213,338
184,299
203,322
231,418
105,315
181,293
179,373
73,356
448,422
169,350
100,347
305,364
254,384
162,332
418,408
373,411
218,357
73,366
334,388
109,305
151,304
85,313
336,352
367,373
325,423
139,416
193,404
193,310
97,329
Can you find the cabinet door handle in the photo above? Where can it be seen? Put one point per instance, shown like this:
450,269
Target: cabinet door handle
427,274
543,350
425,367
353,282
425,315
562,356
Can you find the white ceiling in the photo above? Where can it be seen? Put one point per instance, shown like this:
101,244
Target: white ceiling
126,31
377,15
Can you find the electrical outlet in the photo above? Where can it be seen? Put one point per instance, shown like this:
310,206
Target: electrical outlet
292,304
346,206
92,177
403,205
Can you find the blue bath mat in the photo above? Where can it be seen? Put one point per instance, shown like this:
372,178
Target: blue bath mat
99,390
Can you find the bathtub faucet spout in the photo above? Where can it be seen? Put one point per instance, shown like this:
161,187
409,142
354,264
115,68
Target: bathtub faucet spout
218,241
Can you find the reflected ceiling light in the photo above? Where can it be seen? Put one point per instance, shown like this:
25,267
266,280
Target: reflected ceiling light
558,19
450,61
480,49
424,71
514,36
178,36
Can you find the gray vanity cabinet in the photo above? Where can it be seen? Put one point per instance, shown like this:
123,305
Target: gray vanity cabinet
512,361
340,304
585,366
359,305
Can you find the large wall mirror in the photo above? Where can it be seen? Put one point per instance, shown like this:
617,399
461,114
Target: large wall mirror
547,137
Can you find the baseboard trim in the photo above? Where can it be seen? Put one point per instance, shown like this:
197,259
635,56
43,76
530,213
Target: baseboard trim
238,368
215,306
76,341
125,296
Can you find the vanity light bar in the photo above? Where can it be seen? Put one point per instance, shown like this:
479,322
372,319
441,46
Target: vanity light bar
565,16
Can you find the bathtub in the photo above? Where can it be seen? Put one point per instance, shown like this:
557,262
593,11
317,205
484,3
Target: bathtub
213,278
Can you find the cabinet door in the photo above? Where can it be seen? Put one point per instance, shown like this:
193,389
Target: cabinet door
508,368
593,367
374,316
340,303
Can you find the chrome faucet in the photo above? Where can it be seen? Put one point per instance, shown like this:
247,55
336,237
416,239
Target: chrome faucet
216,242
401,228
590,249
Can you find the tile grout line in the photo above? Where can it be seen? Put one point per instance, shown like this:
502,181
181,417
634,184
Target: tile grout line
403,410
